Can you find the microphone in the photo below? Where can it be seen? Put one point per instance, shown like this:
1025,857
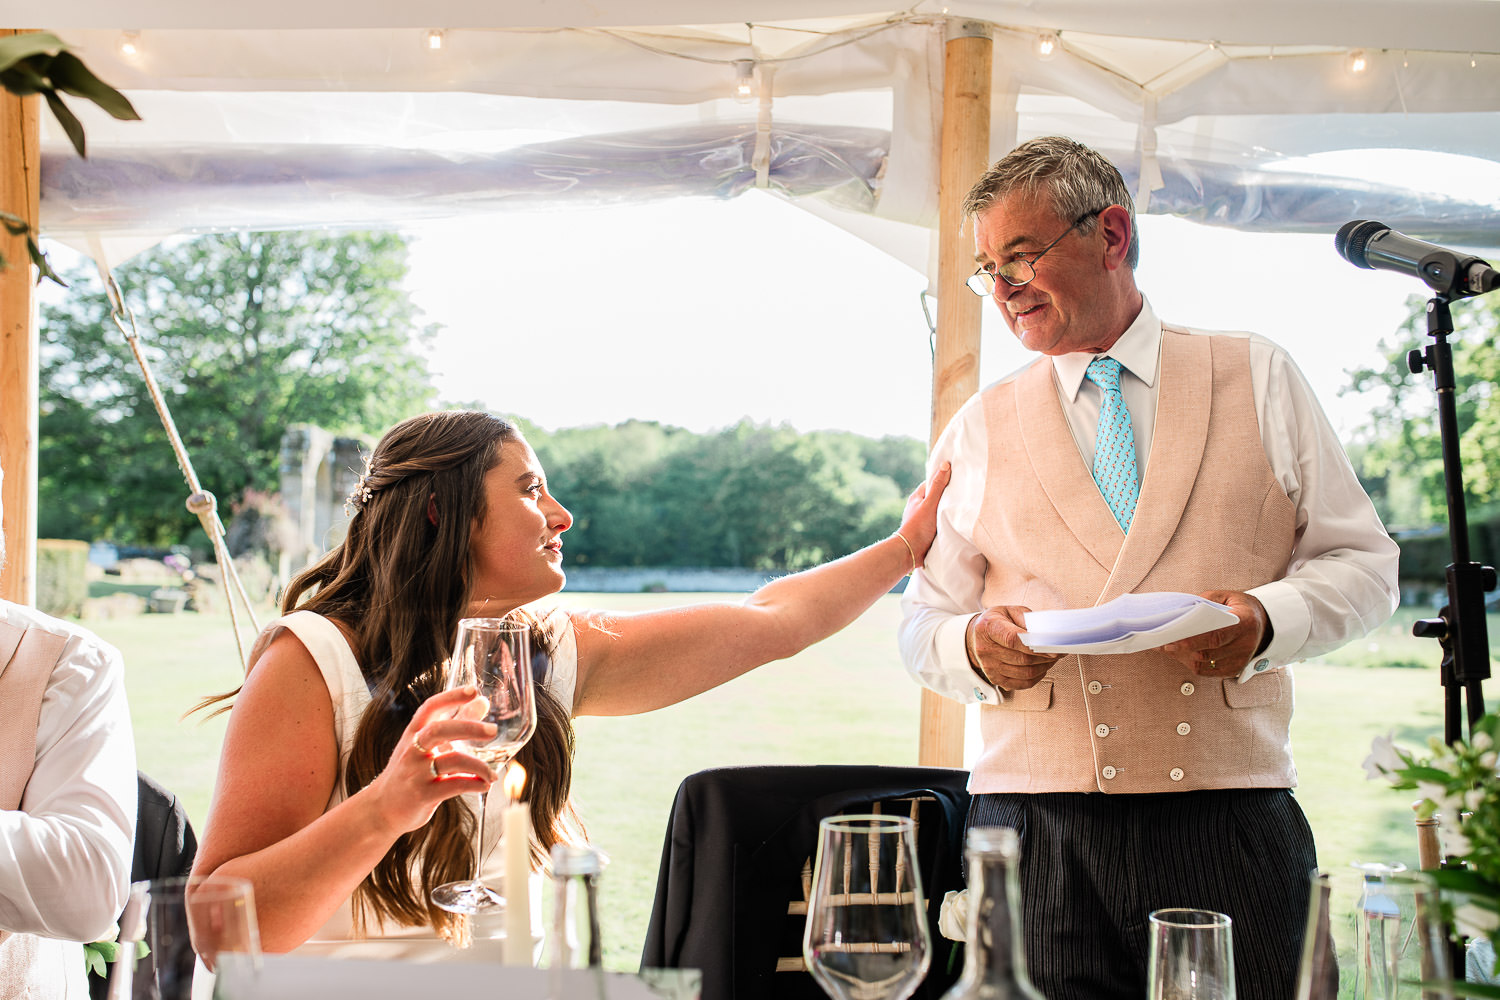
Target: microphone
1374,245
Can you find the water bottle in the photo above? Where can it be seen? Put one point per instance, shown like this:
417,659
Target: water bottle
574,943
994,957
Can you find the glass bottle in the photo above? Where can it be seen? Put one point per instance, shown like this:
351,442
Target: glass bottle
574,942
994,956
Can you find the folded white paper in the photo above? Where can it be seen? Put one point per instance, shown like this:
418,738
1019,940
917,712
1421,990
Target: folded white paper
1128,624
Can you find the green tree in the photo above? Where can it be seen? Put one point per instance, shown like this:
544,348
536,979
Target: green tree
246,333
1399,451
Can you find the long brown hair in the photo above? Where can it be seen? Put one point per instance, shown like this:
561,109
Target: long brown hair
398,584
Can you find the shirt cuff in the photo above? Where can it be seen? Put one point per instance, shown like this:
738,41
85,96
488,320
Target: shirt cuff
953,645
1287,612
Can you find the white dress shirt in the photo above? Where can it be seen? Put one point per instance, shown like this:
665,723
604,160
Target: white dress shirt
1341,581
65,855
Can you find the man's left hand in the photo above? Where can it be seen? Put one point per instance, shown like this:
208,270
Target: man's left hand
1226,651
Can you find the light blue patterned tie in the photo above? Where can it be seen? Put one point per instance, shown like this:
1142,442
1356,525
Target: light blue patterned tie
1114,446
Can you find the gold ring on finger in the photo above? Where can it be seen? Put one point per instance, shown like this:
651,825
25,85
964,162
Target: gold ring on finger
416,745
432,766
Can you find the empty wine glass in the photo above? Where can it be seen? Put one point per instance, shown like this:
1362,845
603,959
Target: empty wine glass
188,927
866,936
1374,931
494,655
1191,956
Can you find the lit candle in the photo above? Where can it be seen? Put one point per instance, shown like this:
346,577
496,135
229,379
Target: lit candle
517,837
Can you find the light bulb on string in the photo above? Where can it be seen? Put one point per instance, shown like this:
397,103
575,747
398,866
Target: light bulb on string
744,80
129,44
1357,61
434,39
1045,45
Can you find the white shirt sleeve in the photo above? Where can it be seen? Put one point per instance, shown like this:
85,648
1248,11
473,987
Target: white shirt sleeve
1341,581
65,855
945,593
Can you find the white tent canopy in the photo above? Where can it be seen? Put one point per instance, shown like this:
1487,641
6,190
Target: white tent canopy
319,113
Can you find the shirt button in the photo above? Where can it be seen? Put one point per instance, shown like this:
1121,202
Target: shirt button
1183,729
1101,730
1187,687
1108,772
1261,665
1176,774
979,694
1095,687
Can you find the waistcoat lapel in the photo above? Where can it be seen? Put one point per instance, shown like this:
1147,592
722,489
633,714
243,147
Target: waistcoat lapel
1067,482
1182,408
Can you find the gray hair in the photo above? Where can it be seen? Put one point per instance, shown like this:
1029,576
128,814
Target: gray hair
1073,179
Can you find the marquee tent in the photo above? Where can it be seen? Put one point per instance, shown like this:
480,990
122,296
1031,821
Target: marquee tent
319,113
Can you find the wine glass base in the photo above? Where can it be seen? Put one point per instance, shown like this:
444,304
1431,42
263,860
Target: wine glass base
468,897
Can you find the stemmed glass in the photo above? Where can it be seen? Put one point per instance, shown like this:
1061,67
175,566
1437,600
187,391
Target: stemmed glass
494,655
866,936
1191,956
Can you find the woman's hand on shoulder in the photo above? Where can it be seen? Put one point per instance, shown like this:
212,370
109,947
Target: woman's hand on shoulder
431,763
919,522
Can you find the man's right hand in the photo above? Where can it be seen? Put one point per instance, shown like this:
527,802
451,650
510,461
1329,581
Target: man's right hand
996,650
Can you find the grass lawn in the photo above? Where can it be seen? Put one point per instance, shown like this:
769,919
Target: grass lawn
846,700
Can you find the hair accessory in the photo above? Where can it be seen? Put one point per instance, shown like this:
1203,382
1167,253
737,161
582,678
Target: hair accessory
359,496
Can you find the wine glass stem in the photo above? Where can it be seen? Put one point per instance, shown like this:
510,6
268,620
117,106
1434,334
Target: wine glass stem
479,841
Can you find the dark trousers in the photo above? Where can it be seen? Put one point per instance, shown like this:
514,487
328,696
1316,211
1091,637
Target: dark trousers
1094,866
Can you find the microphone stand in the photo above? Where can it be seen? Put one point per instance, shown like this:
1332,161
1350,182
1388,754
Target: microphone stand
1460,626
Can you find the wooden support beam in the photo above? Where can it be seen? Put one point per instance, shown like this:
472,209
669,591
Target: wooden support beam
20,192
955,365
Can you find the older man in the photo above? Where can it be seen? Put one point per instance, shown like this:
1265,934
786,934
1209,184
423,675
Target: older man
67,800
1136,456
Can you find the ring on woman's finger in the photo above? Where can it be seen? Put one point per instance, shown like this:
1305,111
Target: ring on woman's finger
432,766
416,745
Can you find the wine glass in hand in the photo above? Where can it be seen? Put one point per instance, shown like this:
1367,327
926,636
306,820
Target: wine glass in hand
867,936
494,655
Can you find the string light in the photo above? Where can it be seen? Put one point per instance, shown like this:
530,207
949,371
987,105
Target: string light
130,44
1473,63
1357,61
1046,44
434,39
744,80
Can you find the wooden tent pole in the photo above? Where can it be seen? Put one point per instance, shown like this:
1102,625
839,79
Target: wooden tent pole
20,191
955,364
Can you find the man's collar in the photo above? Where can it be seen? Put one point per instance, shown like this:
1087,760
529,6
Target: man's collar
1137,350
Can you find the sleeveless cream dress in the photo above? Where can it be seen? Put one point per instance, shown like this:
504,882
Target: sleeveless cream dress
349,695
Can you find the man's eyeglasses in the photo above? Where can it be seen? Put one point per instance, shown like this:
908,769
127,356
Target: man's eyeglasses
1021,269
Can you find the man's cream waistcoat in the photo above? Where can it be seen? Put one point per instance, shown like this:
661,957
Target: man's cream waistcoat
1211,516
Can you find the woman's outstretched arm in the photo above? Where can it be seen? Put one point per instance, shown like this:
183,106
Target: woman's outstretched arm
630,663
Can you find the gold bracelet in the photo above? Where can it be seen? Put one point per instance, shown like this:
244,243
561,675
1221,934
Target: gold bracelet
910,552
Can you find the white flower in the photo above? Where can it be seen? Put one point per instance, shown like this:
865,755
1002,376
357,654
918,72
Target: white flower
1475,921
1455,844
953,915
1489,759
1473,799
1481,741
1383,760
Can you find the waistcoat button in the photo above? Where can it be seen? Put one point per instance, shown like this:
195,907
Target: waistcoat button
1176,774
1107,771
1183,729
1187,687
1095,687
1101,730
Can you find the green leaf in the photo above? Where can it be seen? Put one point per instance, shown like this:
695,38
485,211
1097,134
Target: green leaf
14,48
25,79
14,224
69,122
1461,989
43,266
71,76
